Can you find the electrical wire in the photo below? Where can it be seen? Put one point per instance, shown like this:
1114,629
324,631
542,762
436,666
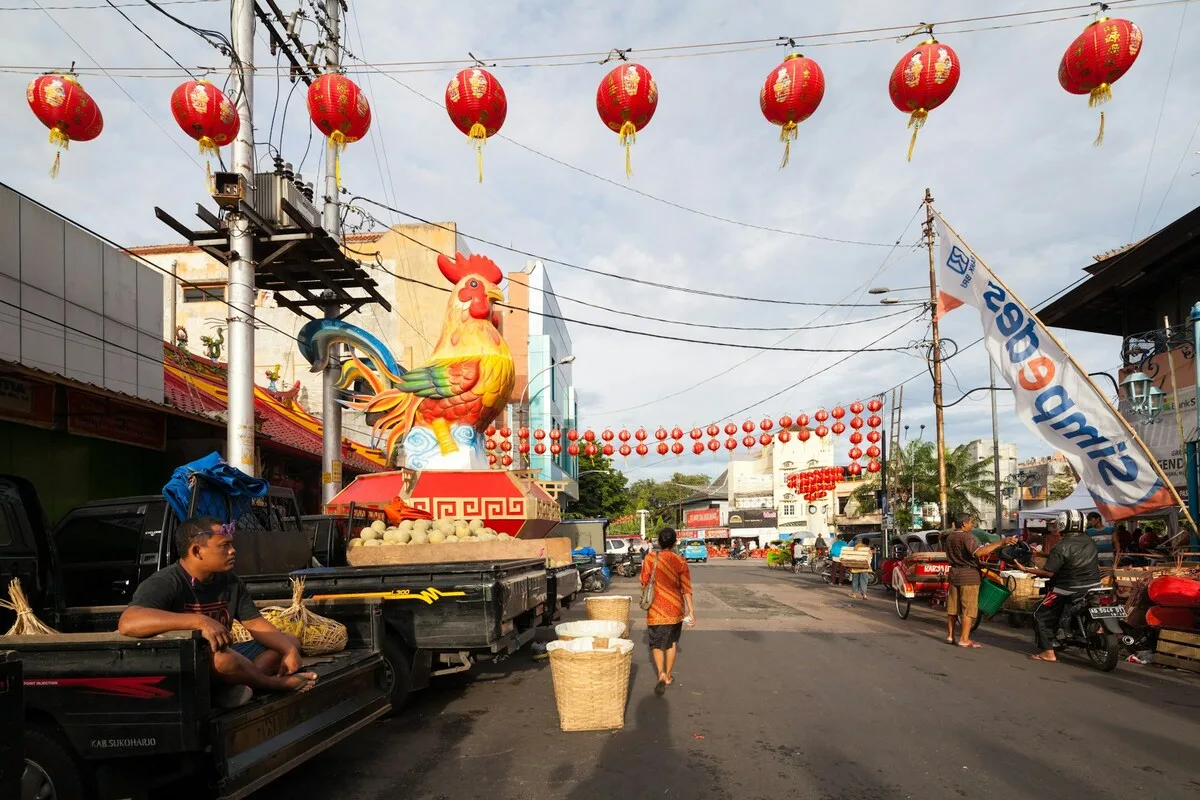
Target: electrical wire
121,5
150,38
590,270
1187,147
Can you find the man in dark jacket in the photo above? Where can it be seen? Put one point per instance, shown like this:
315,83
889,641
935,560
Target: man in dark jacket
1073,567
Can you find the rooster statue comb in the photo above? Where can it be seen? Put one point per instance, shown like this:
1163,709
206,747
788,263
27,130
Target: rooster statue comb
440,409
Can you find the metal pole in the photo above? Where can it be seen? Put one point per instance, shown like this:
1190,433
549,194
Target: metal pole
937,360
1191,447
331,410
239,442
885,501
996,447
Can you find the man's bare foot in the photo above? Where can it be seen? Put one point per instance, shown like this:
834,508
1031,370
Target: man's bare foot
670,679
300,681
970,644
1044,657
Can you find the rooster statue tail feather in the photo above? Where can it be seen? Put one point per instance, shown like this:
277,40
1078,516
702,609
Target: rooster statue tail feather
440,409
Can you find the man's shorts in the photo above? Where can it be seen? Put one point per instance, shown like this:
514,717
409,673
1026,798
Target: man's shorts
662,637
963,601
250,649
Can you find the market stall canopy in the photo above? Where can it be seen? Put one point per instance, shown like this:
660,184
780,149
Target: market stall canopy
1079,500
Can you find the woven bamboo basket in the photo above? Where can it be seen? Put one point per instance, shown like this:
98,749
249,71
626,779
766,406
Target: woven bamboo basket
614,607
1022,588
591,685
239,633
318,635
606,628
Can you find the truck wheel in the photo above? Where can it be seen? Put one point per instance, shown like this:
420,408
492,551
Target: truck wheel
51,771
397,670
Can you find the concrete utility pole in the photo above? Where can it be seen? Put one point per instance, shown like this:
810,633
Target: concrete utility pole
239,441
331,412
937,360
995,446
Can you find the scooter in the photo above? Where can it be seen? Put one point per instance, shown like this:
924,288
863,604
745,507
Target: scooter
1091,621
595,578
628,567
739,555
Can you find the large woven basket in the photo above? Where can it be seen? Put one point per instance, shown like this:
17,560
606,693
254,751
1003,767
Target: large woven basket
591,685
614,607
606,628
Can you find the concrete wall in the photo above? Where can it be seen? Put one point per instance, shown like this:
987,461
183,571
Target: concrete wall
72,305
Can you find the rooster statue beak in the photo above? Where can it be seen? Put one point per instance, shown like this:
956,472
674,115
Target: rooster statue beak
494,294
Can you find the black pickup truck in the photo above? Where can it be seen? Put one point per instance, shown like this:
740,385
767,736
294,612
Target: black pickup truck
111,717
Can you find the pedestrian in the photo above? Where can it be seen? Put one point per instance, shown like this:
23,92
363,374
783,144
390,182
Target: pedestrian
671,607
1053,537
963,551
820,548
860,569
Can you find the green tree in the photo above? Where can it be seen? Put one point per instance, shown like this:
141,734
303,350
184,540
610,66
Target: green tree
1062,485
915,476
602,490
661,499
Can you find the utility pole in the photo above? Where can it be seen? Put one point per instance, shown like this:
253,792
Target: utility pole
331,411
995,445
239,441
937,360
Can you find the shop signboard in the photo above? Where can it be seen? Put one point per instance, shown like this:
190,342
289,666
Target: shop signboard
105,418
702,518
753,518
25,401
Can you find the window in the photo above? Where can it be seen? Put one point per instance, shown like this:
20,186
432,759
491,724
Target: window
100,538
789,509
204,293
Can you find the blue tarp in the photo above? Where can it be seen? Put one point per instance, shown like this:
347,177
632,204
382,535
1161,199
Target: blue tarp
225,492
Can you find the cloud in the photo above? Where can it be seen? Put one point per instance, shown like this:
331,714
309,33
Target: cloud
1009,159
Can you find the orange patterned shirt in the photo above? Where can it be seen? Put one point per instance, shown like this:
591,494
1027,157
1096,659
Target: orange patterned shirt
671,583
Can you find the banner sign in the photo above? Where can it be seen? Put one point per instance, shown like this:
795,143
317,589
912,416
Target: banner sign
26,401
753,518
702,518
1054,397
105,418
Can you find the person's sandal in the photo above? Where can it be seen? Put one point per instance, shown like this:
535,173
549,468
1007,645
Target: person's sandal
661,686
233,696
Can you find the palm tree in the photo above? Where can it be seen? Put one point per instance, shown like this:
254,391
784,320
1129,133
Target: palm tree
915,476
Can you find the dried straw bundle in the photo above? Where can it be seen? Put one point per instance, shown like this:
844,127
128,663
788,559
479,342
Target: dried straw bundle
27,623
318,635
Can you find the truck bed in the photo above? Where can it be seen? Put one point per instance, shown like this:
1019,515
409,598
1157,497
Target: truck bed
449,606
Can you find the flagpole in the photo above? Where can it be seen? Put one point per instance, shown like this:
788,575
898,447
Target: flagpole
938,415
1124,423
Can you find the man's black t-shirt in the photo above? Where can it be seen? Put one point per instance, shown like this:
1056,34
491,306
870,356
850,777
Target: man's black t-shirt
223,597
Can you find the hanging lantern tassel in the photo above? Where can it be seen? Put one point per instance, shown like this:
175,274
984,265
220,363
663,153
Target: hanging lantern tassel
478,137
1097,97
62,142
916,121
787,134
337,143
628,135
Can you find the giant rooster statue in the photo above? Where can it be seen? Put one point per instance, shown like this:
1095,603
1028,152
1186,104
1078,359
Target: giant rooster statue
440,409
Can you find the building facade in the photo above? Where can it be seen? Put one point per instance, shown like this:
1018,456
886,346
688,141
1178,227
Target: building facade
982,450
758,483
543,396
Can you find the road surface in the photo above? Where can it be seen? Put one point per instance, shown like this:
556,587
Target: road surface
788,689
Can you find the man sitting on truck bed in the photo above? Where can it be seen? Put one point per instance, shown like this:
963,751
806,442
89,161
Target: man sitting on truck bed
199,592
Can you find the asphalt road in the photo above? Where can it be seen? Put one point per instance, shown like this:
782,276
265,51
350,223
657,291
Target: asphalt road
787,688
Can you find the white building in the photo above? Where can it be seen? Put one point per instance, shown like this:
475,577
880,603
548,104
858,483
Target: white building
981,450
758,481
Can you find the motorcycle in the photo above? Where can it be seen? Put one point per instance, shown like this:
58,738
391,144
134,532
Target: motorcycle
739,555
799,562
1092,622
595,578
628,567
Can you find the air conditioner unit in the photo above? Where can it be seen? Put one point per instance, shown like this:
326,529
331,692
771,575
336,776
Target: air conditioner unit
271,189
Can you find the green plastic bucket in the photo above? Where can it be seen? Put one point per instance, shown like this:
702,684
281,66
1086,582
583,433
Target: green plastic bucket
991,597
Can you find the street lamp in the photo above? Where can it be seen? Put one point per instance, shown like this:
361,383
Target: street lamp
525,398
886,290
1144,397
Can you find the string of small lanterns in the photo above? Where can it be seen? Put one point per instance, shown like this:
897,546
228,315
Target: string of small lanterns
502,441
626,98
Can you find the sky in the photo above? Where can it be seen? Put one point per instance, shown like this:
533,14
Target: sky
1009,160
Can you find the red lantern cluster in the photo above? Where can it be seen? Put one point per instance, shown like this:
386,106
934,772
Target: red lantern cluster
477,106
1097,59
62,105
816,483
626,100
340,110
790,95
923,80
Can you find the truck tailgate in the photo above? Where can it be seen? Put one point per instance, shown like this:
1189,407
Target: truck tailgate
258,742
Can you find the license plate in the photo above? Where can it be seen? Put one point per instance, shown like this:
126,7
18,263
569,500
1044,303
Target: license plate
1103,612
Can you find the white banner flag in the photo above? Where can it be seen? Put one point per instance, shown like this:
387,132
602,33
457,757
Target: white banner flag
1054,397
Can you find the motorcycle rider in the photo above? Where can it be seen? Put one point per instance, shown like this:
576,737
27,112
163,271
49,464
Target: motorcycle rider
1073,567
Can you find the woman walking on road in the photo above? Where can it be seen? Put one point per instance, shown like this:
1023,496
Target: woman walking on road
672,605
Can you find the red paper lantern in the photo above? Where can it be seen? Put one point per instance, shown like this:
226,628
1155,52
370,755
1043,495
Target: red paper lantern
62,105
784,436
205,114
607,449
663,448
873,451
642,450
556,448
490,444
838,412
873,466
1097,59
748,441
477,106
874,421
856,438
539,434
556,434
730,429
714,445
874,436
661,434
340,110
785,422
822,431
625,450
677,448
764,439
874,404
590,449
731,443
626,100
676,433
821,415
641,435
923,80
838,428
607,435
523,447
589,435
714,430
696,433
802,420
856,422
506,460
791,95
855,454
491,461
698,448
505,432
766,424
523,433
855,468
572,449
748,426
856,407
506,445
540,448
803,434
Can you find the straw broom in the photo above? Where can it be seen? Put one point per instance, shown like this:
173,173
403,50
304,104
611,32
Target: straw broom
27,623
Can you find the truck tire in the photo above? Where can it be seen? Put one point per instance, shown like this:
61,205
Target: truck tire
398,670
51,770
